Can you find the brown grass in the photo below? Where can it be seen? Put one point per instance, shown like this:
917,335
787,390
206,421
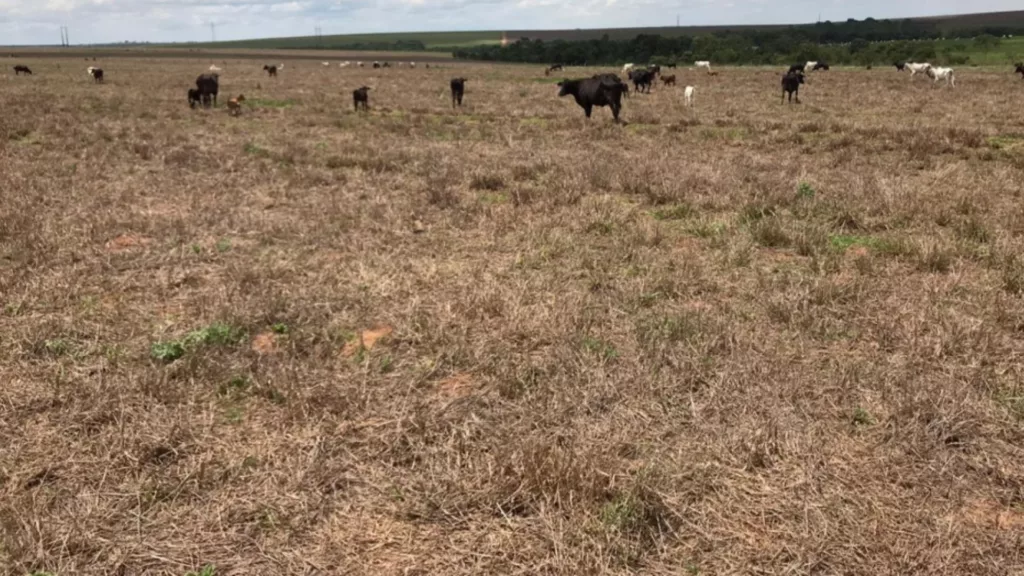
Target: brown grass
740,339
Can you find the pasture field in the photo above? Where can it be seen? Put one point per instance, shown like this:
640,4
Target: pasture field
744,338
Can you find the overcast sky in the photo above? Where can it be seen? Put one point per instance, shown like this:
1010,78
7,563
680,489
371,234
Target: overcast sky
94,21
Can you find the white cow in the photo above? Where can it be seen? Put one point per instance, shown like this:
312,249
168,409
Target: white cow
688,95
916,67
325,64
706,64
345,64
627,68
214,68
412,64
946,74
809,66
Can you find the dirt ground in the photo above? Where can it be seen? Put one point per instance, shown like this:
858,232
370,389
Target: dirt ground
743,338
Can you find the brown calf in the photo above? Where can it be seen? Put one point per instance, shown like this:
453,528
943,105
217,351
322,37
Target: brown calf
235,105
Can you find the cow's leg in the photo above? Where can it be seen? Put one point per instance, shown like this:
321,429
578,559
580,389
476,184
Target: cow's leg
587,108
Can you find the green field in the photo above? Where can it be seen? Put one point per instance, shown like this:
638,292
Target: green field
1007,50
432,40
440,41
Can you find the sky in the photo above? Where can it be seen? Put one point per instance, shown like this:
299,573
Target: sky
37,22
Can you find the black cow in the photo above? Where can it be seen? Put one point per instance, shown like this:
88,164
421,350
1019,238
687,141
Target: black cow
19,69
195,97
458,89
900,66
642,80
598,91
552,68
376,64
1020,70
821,66
361,96
96,73
655,69
272,70
670,65
791,85
208,85
796,68
613,79
386,65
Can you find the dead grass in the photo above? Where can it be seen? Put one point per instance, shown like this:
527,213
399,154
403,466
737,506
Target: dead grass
743,338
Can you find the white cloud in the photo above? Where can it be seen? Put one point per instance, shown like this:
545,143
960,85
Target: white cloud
37,22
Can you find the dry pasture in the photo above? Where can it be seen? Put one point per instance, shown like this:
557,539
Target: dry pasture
743,338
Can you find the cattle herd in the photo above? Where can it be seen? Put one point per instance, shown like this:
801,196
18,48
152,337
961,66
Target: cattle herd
599,90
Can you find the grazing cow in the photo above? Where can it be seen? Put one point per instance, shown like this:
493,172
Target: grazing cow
345,64
552,68
590,92
213,68
820,66
376,65
360,64
706,64
1019,70
195,98
642,80
791,85
900,66
796,68
208,86
20,69
96,73
325,64
669,80
809,66
627,67
386,65
412,64
688,95
458,89
671,65
917,68
272,70
946,74
361,97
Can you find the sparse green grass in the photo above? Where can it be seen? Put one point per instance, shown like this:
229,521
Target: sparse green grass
213,335
862,417
260,102
677,212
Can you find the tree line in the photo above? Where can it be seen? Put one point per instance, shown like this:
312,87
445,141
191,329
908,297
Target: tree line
853,42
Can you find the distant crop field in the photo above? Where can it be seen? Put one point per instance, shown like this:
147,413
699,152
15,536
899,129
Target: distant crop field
740,338
431,40
1007,51
443,40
